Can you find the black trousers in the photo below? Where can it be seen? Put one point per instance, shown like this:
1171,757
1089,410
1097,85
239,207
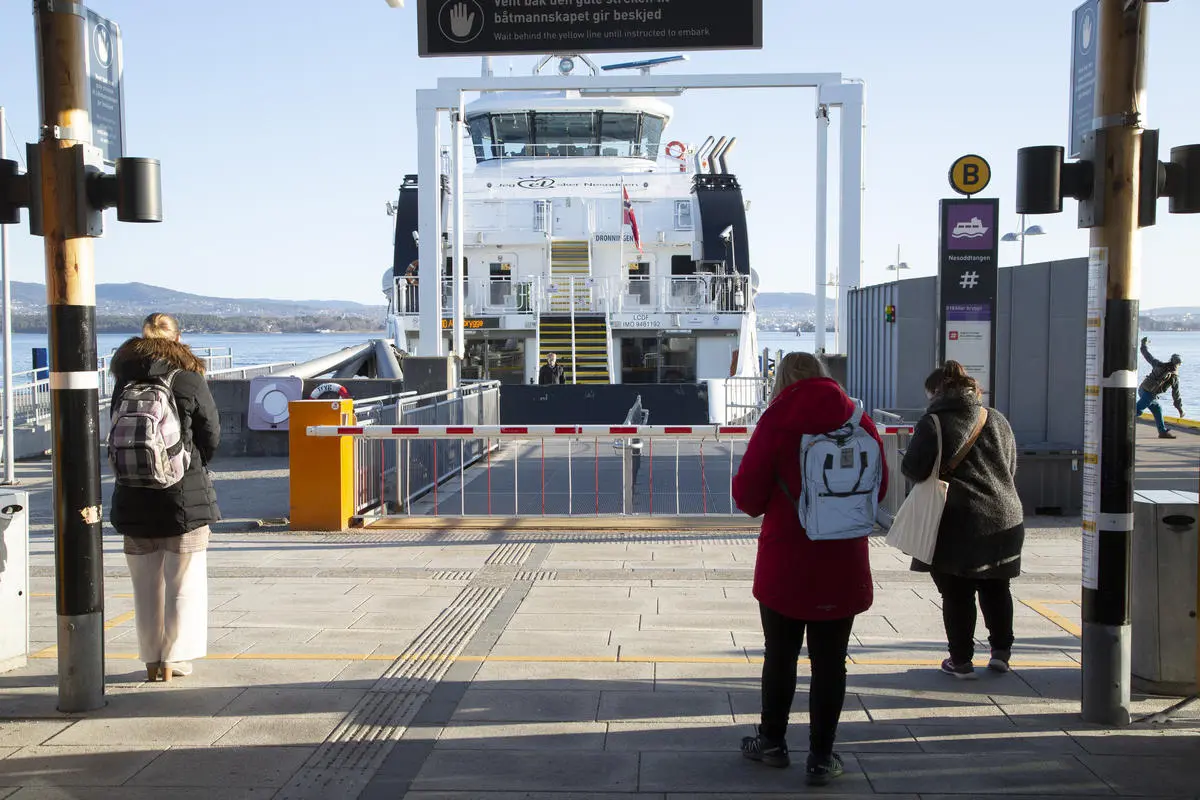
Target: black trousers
827,643
958,613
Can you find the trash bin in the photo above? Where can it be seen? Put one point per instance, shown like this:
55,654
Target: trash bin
1164,592
1050,479
14,579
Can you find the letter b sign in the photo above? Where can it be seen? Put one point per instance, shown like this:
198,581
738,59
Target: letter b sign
970,175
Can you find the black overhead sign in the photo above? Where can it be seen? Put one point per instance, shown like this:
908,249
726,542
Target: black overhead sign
502,27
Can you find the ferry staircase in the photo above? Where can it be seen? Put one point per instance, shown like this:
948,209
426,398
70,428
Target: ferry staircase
589,333
570,266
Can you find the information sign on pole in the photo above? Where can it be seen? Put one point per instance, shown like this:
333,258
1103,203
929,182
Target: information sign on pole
967,284
1085,51
105,73
502,27
1092,408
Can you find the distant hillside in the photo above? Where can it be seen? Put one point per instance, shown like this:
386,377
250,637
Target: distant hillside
1172,311
800,302
119,299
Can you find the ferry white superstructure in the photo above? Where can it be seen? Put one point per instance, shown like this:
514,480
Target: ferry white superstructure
549,256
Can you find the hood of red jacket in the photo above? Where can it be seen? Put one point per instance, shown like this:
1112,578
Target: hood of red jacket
815,405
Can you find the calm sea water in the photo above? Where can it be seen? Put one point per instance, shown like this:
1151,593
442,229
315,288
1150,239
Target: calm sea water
250,349
1162,345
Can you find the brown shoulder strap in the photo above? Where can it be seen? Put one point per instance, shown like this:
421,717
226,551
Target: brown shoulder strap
966,448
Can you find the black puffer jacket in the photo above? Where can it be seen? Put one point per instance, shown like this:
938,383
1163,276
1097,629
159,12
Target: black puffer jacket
983,525
191,503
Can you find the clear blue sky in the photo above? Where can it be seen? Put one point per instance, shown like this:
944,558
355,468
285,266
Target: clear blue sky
284,128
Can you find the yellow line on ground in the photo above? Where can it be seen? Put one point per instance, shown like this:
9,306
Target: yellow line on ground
52,650
1040,606
1178,421
534,659
120,619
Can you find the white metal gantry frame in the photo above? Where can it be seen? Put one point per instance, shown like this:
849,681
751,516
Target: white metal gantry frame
832,93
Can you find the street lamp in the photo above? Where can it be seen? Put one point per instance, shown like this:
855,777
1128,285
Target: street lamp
899,265
1032,230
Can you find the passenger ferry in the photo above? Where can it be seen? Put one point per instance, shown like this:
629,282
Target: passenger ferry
593,233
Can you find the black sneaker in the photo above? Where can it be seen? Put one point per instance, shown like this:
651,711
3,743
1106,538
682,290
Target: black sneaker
1000,659
963,671
820,772
773,753
1166,435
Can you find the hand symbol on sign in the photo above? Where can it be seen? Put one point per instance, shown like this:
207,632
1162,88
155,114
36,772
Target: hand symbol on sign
462,20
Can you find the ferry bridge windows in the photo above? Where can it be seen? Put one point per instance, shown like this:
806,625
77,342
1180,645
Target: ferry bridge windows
652,130
481,135
566,134
512,137
618,133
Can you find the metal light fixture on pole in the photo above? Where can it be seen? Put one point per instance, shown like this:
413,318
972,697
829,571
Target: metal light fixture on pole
10,472
1032,230
899,265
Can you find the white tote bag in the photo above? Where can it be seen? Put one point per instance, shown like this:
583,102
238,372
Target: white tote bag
915,529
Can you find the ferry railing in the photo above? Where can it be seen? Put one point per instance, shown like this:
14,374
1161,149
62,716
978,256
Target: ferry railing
746,398
388,475
245,373
561,471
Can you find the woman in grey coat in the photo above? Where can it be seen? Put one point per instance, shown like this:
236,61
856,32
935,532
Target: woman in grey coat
983,526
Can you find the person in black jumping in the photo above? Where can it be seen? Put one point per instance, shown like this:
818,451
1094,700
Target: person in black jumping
1163,375
551,372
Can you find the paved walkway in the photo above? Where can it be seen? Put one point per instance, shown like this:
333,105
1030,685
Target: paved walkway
440,666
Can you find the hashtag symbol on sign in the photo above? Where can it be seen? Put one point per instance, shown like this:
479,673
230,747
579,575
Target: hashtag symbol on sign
969,280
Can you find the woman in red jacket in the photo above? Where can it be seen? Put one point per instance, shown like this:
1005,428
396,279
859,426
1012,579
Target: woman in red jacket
801,585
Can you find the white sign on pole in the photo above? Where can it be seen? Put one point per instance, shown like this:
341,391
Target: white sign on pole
1092,400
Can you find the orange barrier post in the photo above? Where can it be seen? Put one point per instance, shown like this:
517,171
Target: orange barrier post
322,469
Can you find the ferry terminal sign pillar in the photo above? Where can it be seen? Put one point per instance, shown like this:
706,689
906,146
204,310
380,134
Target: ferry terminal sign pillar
967,284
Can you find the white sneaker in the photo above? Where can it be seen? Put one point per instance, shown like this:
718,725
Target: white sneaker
180,669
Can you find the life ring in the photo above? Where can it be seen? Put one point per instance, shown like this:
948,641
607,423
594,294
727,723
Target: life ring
676,150
329,391
410,274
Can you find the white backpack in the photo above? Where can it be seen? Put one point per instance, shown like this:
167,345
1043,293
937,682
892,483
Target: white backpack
842,472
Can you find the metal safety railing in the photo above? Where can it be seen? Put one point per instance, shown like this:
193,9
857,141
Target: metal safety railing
245,373
489,295
387,476
557,470
31,388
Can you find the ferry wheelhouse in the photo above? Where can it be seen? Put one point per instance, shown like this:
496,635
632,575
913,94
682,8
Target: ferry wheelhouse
591,232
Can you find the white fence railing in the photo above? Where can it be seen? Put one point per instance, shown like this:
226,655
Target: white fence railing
31,388
559,470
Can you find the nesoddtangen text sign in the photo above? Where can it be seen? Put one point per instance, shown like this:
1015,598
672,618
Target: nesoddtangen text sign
499,27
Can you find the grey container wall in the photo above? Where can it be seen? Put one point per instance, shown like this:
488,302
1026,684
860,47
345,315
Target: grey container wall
1039,378
888,362
1041,346
1164,592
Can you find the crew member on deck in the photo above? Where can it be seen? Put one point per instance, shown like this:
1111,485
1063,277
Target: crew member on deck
1163,376
551,372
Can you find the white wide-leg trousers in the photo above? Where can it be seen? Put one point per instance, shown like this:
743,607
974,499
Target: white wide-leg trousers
170,601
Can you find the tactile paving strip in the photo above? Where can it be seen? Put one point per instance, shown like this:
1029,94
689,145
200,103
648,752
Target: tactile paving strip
345,762
512,554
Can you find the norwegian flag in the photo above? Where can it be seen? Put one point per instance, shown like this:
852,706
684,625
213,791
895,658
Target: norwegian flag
628,217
